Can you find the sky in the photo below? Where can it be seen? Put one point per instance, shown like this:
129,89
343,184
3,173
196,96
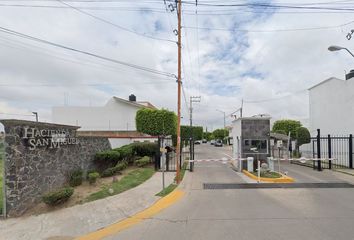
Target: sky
267,57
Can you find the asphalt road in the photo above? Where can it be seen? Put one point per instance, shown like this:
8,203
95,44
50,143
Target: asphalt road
289,214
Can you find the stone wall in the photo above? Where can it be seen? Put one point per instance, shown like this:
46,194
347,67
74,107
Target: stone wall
39,157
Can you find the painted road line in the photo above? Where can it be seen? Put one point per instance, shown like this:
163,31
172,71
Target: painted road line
115,228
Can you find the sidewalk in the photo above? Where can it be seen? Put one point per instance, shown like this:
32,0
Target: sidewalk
71,222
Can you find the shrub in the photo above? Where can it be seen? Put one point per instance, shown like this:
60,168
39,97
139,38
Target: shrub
126,152
143,161
75,178
145,148
58,197
113,170
92,177
107,157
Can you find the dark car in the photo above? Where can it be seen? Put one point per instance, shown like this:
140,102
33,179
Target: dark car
218,143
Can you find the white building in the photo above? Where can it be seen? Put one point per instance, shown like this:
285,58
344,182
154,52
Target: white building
332,107
116,120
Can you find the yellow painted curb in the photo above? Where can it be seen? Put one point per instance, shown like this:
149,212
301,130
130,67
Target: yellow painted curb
282,179
147,213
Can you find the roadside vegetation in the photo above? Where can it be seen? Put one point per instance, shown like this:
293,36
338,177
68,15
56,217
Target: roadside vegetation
268,174
129,181
1,175
114,172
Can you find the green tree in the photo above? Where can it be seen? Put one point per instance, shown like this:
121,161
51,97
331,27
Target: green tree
303,136
220,133
286,126
195,131
156,122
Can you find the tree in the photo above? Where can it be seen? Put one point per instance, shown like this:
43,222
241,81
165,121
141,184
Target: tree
303,136
220,133
195,131
286,126
156,122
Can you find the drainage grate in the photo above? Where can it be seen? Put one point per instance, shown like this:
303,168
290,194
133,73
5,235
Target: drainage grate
275,185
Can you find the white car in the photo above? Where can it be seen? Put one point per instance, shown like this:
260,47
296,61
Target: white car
212,142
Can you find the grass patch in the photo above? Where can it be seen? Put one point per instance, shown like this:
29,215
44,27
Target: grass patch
268,174
132,180
167,190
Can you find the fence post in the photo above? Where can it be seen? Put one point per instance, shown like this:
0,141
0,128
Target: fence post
350,151
329,151
313,154
158,154
319,168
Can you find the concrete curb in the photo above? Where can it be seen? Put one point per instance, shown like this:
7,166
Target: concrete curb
283,179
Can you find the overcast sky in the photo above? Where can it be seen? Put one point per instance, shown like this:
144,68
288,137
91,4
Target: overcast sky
259,54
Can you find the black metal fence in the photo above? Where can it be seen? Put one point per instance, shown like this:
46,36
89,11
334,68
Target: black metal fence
171,155
338,147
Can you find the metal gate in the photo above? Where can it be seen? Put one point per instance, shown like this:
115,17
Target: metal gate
338,147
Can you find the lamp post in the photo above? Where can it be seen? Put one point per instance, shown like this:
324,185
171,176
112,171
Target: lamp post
337,48
224,117
36,114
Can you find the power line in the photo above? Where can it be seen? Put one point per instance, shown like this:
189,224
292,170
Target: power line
271,30
22,35
113,24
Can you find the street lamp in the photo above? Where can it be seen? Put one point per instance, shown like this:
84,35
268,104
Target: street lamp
224,117
36,114
337,48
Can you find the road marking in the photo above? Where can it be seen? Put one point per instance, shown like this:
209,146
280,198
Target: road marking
161,204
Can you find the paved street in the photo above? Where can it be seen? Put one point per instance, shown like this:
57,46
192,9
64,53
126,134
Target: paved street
247,213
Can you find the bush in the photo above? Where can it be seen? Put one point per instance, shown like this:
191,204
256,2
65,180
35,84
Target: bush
75,178
126,152
92,177
108,157
143,161
58,197
113,170
145,148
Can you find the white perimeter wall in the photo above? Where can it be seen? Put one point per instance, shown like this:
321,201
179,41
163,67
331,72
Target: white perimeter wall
118,142
115,115
236,133
332,107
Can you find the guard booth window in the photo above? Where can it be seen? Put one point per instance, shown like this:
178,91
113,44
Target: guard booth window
260,144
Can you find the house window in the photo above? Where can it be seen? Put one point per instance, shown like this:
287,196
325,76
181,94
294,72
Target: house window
260,144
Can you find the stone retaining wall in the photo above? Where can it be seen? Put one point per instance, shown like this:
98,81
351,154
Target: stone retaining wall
39,158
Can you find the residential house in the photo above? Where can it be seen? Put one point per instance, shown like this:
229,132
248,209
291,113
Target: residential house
115,120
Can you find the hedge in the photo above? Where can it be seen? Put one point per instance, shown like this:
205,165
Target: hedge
92,177
114,170
195,131
156,122
75,178
107,157
58,197
126,152
142,161
145,149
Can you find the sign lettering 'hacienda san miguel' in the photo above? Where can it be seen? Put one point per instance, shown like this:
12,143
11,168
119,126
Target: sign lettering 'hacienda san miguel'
34,138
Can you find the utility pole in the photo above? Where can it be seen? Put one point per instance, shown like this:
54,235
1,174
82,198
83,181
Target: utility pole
191,139
224,117
179,43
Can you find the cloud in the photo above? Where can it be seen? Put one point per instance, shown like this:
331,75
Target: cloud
270,71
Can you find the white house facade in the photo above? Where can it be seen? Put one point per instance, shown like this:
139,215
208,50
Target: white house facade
116,120
332,107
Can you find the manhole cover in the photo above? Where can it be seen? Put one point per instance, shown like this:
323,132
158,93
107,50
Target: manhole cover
274,185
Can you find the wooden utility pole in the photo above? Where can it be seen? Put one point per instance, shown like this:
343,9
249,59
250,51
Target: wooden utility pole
179,12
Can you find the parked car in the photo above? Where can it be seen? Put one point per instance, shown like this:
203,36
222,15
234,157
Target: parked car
218,143
197,142
204,141
212,142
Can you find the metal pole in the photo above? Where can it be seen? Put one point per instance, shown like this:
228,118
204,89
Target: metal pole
319,168
179,11
329,151
350,151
